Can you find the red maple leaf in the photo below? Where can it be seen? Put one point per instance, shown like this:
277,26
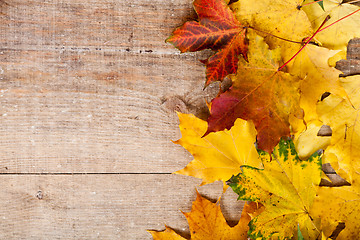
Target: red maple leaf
217,29
261,93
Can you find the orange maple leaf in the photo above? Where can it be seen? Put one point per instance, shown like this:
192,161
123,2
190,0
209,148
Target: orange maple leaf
217,29
206,221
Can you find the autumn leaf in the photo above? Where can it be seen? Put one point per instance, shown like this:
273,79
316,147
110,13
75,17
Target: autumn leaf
207,222
259,93
167,234
344,23
311,64
217,29
219,155
275,19
342,207
342,117
286,188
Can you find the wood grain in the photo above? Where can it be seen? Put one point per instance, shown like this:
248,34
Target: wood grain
86,207
84,87
90,88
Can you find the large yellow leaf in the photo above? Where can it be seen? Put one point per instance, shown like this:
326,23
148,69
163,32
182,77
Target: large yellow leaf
343,118
286,188
338,35
219,155
311,64
342,207
282,18
206,221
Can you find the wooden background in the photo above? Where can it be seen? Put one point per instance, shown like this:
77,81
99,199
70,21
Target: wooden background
88,93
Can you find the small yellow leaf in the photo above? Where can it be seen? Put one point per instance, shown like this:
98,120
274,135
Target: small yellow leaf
218,155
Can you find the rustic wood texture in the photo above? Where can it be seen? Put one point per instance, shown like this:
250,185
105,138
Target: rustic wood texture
88,93
89,88
99,207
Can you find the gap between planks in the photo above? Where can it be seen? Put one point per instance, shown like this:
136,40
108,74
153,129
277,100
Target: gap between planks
89,173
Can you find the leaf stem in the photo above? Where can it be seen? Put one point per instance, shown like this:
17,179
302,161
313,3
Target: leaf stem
340,20
306,43
284,39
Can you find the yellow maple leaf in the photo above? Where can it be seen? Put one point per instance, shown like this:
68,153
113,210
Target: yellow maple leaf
286,188
342,30
218,155
311,65
342,116
206,221
342,207
282,18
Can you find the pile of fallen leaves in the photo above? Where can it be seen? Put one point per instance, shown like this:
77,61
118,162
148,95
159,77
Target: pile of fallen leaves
265,134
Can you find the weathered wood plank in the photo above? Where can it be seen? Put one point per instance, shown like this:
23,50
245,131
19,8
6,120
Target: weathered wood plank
83,132
84,87
82,207
100,23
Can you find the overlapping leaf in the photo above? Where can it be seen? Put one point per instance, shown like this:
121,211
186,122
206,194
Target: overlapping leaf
217,29
281,18
343,118
286,188
342,207
207,222
312,66
219,155
344,22
259,93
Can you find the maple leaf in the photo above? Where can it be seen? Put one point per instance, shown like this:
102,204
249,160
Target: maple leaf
344,23
219,155
342,207
206,221
311,65
259,93
217,29
281,18
286,188
342,117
